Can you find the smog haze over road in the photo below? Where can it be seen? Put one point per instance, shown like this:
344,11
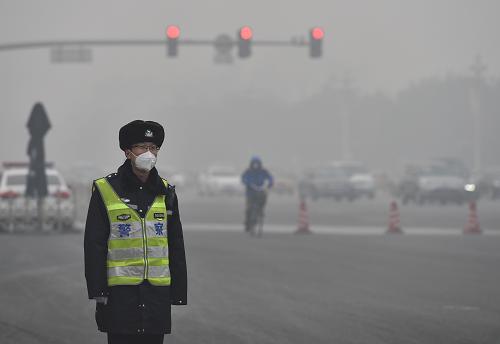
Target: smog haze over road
389,50
394,126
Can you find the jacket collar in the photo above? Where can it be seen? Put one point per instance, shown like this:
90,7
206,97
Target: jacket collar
154,182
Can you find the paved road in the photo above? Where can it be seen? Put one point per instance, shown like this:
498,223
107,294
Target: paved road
279,289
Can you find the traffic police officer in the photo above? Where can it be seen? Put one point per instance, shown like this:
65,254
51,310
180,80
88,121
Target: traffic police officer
135,263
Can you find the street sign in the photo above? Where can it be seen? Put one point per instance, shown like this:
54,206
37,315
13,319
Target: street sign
70,54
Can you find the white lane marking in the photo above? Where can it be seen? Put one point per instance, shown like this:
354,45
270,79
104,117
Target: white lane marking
461,308
346,230
272,228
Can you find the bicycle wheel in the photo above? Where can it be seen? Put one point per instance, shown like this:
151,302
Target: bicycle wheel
252,219
260,220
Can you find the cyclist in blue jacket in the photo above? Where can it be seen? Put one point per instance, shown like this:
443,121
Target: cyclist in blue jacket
257,181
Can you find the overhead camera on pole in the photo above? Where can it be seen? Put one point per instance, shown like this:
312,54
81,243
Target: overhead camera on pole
173,33
316,35
245,35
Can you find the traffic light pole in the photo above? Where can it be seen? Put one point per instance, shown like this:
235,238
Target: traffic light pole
137,42
80,51
478,69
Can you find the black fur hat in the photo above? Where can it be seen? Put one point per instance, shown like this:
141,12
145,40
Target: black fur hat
141,131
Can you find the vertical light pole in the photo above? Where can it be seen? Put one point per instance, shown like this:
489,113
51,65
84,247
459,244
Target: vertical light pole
346,119
477,69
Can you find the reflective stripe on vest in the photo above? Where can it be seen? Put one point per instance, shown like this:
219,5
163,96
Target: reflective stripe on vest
137,247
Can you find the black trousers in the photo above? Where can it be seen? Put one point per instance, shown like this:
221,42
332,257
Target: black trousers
116,338
254,199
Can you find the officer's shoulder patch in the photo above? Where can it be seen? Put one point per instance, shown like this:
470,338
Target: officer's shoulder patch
111,175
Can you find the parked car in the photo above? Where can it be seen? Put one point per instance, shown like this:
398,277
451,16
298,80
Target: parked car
326,181
17,211
220,180
362,181
285,182
442,181
489,183
174,177
283,185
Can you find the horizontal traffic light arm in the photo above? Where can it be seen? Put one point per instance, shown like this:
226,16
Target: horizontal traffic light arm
138,42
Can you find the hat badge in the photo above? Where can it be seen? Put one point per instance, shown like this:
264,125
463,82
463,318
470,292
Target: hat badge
148,133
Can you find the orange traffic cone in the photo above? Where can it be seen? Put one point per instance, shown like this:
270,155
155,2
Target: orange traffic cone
472,226
303,225
394,225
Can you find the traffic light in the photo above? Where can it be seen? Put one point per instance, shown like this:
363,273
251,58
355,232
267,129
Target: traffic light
245,42
173,33
316,42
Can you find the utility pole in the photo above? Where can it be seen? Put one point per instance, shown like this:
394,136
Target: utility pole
478,69
346,92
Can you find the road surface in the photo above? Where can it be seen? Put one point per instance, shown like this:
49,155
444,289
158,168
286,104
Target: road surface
283,288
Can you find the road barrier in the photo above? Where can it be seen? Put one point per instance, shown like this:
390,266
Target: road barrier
472,226
303,221
394,226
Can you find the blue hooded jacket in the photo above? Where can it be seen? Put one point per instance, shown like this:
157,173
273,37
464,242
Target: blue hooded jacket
256,176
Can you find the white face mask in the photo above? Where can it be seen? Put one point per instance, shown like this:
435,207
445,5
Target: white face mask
145,161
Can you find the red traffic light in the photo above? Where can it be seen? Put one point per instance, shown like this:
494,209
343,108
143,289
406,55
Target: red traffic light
173,32
246,33
317,33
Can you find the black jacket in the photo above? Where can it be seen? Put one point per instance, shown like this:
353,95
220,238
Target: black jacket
140,308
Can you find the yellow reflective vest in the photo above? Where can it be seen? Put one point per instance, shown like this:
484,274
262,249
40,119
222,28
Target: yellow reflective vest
137,247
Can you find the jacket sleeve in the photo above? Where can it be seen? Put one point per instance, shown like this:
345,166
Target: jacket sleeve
176,252
96,246
270,179
244,178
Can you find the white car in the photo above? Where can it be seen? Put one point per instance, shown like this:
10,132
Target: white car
219,180
18,211
174,177
360,178
440,180
363,184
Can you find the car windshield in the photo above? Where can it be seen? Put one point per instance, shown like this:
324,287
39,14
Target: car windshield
354,169
330,172
443,171
20,179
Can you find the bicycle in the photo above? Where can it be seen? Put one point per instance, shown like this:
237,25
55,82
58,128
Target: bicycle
256,211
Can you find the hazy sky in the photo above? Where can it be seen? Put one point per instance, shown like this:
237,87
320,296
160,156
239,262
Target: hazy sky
383,45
